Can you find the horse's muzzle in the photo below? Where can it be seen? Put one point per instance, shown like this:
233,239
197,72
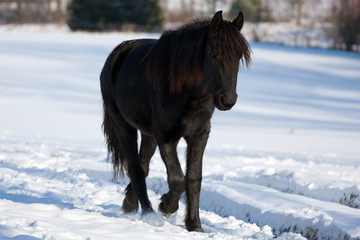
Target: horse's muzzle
223,103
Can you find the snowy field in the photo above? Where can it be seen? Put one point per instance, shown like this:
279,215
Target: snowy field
284,162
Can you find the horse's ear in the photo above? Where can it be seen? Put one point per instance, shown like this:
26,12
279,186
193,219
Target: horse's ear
239,21
217,21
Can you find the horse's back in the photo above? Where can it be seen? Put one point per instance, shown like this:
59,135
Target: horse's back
117,56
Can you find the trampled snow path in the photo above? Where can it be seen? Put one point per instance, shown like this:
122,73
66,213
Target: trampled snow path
284,212
286,158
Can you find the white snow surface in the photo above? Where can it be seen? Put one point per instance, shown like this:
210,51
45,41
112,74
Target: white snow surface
284,162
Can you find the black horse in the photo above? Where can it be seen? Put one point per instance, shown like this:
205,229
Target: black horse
168,89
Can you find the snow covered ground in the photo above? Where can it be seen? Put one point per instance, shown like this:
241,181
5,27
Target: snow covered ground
283,162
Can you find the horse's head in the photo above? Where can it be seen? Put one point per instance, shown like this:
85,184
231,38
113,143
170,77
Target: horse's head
225,49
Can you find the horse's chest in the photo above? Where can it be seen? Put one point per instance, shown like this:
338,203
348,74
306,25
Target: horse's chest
179,117
193,121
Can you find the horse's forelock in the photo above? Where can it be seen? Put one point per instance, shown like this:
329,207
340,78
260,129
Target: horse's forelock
230,46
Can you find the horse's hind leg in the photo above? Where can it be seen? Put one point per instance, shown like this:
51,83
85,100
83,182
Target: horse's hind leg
128,139
147,150
176,181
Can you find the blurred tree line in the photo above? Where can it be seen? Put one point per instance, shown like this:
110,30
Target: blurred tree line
154,15
114,14
344,16
31,11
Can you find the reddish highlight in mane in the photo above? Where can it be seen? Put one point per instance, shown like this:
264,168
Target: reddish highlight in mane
176,60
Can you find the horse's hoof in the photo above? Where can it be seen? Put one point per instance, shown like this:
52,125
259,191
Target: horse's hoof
130,207
130,211
127,212
147,211
168,206
164,212
195,229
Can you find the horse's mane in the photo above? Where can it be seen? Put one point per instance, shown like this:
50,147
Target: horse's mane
176,59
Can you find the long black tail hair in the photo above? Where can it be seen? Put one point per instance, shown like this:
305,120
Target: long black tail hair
115,152
106,78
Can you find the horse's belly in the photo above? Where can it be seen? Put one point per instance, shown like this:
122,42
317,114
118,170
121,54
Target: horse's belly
143,125
139,119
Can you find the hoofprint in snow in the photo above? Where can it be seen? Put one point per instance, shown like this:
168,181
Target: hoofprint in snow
283,162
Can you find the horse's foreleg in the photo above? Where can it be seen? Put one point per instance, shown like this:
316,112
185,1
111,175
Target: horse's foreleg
195,151
170,201
147,150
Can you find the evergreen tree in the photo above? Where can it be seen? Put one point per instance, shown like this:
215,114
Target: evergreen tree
113,14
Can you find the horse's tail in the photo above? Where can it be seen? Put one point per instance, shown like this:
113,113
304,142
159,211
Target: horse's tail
107,78
115,152
107,82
